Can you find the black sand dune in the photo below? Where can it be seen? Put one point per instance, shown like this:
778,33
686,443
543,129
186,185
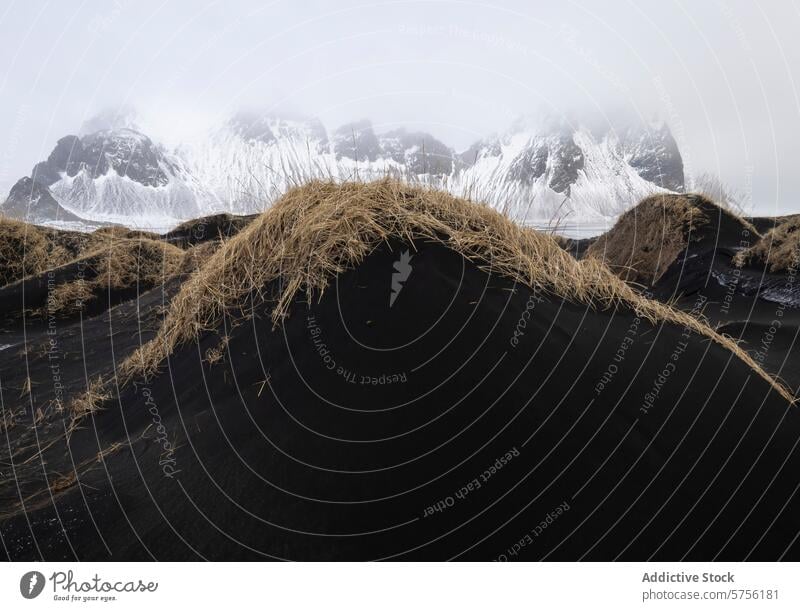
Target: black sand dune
27,249
470,417
764,223
725,263
666,240
759,309
214,227
109,274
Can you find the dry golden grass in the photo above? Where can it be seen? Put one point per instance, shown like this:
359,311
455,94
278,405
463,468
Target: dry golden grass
120,232
779,249
26,249
26,388
320,229
648,238
126,262
217,353
197,255
117,264
563,242
10,418
87,403
72,242
69,297
57,483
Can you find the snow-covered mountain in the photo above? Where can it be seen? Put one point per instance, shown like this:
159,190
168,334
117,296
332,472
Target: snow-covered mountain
559,171
109,176
546,171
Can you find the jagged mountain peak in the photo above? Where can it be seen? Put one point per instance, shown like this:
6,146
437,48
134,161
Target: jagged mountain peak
654,153
558,152
123,150
417,152
33,202
537,168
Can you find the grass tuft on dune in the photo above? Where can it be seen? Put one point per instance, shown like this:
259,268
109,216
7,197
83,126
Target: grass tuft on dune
322,228
118,264
779,249
26,250
649,237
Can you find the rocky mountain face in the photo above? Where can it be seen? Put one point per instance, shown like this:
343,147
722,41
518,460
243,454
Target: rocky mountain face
123,151
555,158
267,129
417,153
558,170
33,202
655,156
109,176
118,174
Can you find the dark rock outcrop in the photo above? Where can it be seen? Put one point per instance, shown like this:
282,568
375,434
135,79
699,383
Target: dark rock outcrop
32,201
654,154
125,151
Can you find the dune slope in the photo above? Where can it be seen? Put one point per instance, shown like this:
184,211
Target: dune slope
428,404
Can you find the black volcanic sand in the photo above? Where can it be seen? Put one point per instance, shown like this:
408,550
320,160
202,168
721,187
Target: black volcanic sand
760,308
473,419
204,229
29,296
765,223
31,293
60,357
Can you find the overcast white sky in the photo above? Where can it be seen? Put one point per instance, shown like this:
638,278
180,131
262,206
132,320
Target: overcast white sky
724,74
